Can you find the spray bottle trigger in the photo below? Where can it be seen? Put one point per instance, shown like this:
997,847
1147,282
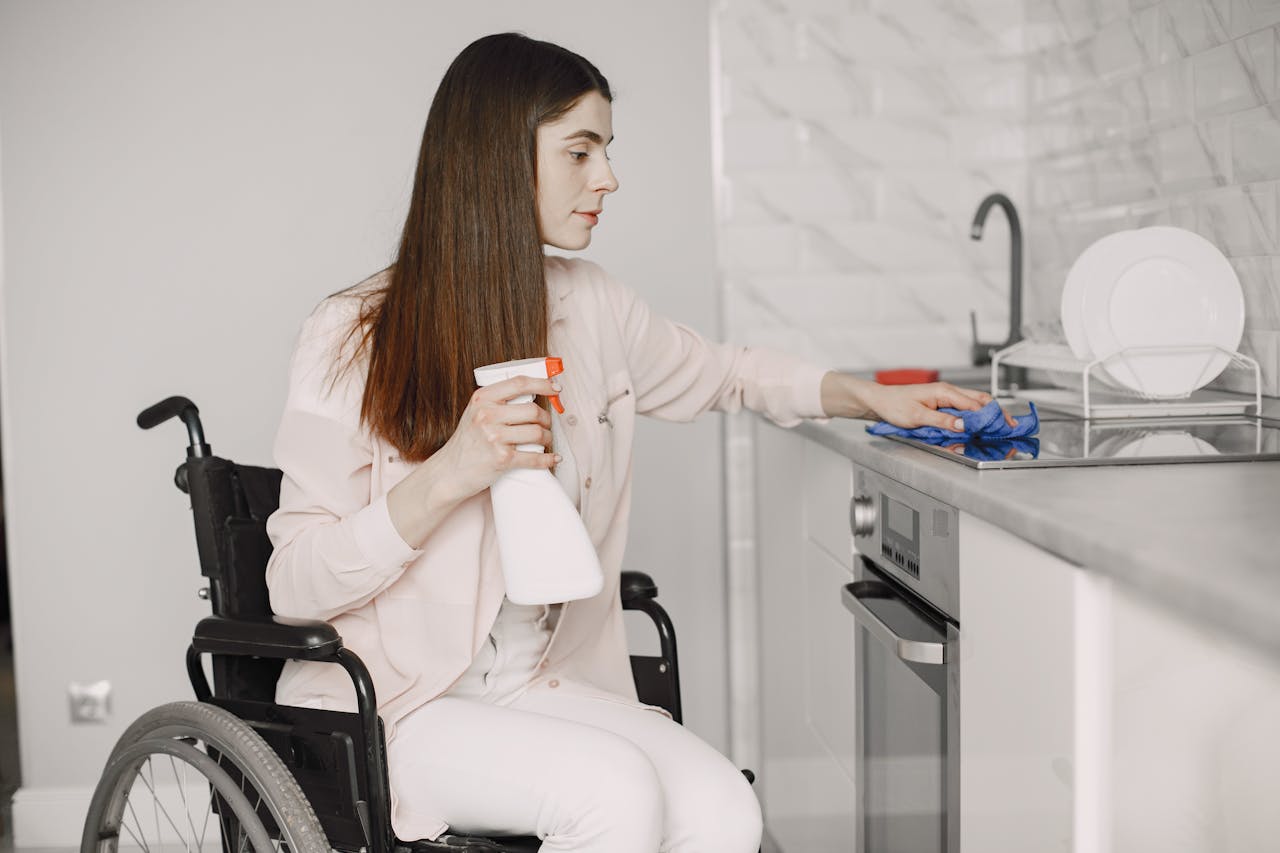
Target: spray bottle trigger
555,367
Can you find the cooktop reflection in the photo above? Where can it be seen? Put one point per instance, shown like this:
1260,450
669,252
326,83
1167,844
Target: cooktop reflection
1067,441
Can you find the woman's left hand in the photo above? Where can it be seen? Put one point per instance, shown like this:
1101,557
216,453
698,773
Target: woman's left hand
906,406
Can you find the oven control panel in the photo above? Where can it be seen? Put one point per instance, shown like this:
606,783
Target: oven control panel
909,534
900,538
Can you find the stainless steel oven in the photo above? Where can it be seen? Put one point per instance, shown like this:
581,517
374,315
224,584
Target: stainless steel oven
905,598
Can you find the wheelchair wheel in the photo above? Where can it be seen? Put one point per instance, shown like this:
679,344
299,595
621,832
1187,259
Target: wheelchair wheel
190,776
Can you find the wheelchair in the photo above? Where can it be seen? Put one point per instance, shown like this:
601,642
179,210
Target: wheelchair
234,771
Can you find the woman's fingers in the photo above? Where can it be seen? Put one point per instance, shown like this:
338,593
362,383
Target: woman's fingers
516,386
974,394
486,441
523,434
967,399
529,459
941,420
519,413
960,398
529,434
983,398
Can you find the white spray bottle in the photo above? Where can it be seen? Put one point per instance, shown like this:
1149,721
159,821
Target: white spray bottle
547,555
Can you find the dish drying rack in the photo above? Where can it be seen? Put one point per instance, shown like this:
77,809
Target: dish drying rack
1120,402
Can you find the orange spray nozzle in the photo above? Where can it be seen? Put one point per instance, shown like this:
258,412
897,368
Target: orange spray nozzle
555,367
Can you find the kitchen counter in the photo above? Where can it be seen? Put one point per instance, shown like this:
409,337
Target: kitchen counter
1202,538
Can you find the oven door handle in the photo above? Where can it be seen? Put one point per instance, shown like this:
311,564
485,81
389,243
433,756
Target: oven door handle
914,651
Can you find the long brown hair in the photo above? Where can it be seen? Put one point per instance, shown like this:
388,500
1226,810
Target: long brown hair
467,286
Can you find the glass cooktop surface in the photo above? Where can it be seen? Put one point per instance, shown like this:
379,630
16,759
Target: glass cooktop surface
1065,441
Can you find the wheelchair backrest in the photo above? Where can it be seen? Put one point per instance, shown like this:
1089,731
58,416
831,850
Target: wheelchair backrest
230,504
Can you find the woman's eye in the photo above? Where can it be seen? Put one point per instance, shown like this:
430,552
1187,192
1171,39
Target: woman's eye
578,155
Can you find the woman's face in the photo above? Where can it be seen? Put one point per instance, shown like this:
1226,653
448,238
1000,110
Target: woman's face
574,173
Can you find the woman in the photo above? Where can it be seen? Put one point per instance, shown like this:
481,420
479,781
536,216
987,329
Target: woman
507,719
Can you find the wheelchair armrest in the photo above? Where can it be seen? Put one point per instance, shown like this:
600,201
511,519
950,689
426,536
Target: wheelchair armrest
267,637
637,586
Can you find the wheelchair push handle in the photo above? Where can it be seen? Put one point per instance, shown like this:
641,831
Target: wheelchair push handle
178,407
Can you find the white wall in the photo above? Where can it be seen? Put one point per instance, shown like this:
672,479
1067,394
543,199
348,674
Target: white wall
182,182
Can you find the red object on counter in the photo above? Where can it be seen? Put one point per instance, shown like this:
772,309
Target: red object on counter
906,376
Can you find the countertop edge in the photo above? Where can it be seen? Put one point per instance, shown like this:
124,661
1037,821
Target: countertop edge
1236,600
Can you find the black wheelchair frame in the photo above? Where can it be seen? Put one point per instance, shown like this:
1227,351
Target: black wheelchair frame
338,759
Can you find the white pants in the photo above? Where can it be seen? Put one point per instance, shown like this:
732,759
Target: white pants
500,756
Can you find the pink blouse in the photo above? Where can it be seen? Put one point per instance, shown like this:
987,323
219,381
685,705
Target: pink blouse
417,617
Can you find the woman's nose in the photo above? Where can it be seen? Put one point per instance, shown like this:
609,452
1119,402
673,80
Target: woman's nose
608,181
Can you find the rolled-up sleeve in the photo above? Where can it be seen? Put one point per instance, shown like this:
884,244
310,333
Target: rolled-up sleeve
335,547
678,374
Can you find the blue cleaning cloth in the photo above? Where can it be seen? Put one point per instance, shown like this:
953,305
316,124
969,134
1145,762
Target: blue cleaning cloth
985,425
1002,448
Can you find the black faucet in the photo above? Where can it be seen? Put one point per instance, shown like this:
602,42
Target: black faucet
981,352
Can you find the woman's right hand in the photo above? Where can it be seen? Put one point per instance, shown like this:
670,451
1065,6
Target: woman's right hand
481,449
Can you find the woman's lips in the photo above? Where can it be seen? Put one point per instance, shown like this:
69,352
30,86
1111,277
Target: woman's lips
592,216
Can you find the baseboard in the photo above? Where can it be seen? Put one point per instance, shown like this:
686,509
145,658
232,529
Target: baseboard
49,817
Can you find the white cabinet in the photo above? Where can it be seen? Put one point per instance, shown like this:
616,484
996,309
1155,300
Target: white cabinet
1091,719
1094,720
827,490
1193,724
1017,670
806,782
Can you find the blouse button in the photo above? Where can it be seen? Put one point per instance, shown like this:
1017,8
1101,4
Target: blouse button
587,484
572,420
555,682
543,665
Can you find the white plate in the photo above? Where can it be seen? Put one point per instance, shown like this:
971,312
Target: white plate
1162,286
1093,264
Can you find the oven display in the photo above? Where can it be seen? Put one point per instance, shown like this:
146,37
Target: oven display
903,520
900,540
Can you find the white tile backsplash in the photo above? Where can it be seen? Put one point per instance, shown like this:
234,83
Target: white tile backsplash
859,137
1255,144
1225,81
861,141
1158,97
751,38
1250,15
1260,281
802,92
1191,157
760,143
1191,27
1200,150
1240,220
803,195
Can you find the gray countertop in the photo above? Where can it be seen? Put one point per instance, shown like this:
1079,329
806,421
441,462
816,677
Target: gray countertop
1202,539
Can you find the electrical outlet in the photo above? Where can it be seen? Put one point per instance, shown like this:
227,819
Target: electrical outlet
90,703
